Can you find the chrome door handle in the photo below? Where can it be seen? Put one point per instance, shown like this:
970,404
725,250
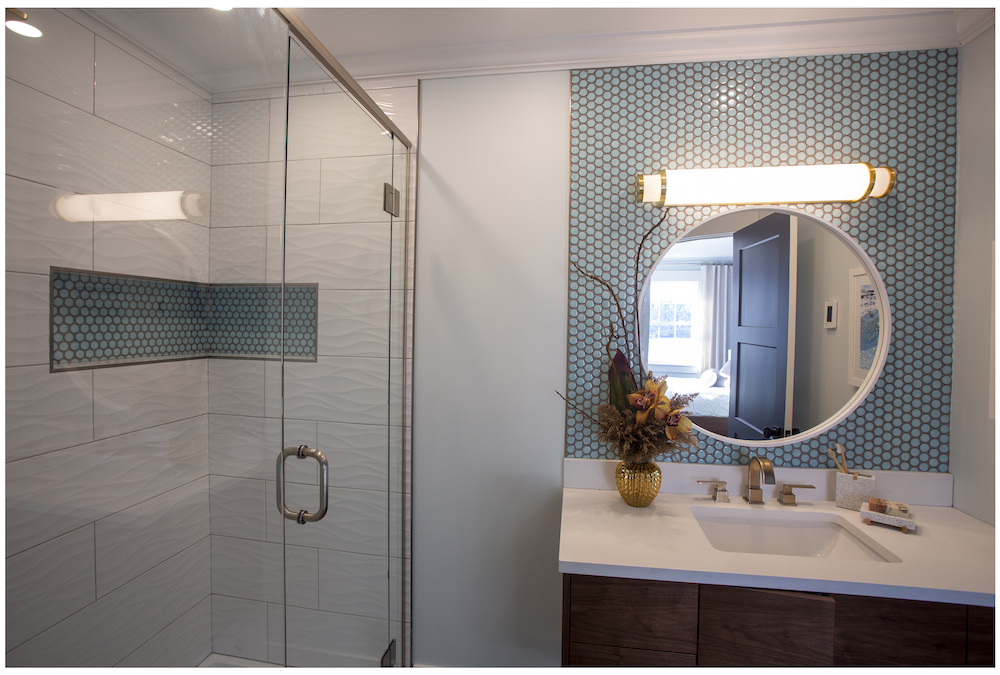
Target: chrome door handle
303,517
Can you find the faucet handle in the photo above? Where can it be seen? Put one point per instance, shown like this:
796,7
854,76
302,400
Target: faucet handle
786,497
719,493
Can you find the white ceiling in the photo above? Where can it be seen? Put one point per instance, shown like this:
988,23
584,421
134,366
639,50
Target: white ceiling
441,42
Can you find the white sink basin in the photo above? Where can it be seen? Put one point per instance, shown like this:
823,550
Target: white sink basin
797,533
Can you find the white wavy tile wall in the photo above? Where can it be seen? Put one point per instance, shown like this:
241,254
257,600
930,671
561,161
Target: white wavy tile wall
107,470
112,466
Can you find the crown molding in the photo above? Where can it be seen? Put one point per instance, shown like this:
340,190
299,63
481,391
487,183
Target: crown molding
972,23
919,30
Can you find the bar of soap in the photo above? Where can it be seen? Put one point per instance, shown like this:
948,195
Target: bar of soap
889,508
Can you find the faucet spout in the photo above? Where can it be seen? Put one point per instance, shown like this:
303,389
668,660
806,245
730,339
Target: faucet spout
759,468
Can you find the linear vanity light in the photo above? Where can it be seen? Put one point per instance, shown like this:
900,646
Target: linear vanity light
132,206
17,21
764,185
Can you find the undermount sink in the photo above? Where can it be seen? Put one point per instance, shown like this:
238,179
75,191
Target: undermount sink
805,534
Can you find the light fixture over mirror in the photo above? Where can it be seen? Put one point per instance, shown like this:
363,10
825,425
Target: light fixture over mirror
736,310
764,185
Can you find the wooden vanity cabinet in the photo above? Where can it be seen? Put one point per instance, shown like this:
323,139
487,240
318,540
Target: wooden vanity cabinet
610,621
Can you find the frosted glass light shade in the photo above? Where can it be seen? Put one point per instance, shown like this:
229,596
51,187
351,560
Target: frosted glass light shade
130,206
770,185
885,179
25,29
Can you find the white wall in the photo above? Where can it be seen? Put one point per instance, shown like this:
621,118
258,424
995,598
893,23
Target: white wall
973,449
821,354
490,351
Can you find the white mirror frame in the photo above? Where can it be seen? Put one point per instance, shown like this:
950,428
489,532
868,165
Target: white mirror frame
885,329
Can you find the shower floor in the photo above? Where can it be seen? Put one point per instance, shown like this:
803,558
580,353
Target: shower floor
223,661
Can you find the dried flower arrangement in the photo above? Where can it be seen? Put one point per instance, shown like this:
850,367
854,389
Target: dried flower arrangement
639,423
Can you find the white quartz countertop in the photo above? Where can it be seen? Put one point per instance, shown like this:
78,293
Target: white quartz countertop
949,558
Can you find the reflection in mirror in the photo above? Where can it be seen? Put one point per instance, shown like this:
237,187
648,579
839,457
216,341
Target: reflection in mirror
743,311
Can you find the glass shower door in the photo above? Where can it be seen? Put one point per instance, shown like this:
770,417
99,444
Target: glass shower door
340,543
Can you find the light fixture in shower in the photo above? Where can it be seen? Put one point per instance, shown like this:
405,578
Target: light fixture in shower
132,206
17,21
764,185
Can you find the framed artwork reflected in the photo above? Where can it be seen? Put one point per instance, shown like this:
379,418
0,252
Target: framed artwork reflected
864,326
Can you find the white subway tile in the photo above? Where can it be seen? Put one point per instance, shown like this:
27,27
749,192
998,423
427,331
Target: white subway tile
183,644
351,583
56,144
302,192
275,254
357,520
276,129
47,411
276,633
141,396
37,238
248,195
137,539
57,492
338,389
357,454
332,125
238,255
49,582
169,249
106,631
345,256
353,323
352,189
400,105
243,568
27,319
239,627
61,65
239,507
140,99
236,386
330,640
240,132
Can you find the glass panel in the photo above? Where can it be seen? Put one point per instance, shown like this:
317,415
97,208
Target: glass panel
141,520
338,237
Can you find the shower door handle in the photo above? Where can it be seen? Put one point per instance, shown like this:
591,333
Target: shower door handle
303,451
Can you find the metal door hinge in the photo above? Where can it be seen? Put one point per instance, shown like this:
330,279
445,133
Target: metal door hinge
389,658
390,200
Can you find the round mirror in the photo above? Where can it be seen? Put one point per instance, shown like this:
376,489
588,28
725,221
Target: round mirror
778,321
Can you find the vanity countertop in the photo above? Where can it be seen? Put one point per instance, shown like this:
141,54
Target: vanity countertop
949,558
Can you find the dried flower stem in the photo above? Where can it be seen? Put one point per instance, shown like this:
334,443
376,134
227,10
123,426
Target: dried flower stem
578,408
635,278
618,304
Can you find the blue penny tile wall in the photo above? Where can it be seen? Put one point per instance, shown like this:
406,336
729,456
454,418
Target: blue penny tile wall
101,320
893,109
245,320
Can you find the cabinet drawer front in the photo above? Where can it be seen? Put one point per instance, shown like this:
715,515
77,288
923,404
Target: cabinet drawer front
754,627
888,632
603,655
650,615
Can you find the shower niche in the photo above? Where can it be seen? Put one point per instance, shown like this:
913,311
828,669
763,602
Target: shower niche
201,273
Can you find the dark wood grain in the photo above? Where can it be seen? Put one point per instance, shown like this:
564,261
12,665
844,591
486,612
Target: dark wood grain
633,613
754,627
567,594
888,632
603,655
980,648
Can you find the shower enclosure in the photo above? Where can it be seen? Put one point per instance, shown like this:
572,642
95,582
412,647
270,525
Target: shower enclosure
206,296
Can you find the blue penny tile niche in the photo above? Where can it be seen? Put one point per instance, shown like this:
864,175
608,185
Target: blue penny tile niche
99,320
893,109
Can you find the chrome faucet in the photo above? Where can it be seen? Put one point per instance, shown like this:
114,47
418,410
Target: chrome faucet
758,468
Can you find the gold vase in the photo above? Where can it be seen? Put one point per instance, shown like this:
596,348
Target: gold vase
638,484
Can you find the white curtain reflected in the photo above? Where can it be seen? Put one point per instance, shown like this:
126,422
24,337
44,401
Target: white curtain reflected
716,292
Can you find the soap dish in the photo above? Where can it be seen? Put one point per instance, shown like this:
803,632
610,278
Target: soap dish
869,517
